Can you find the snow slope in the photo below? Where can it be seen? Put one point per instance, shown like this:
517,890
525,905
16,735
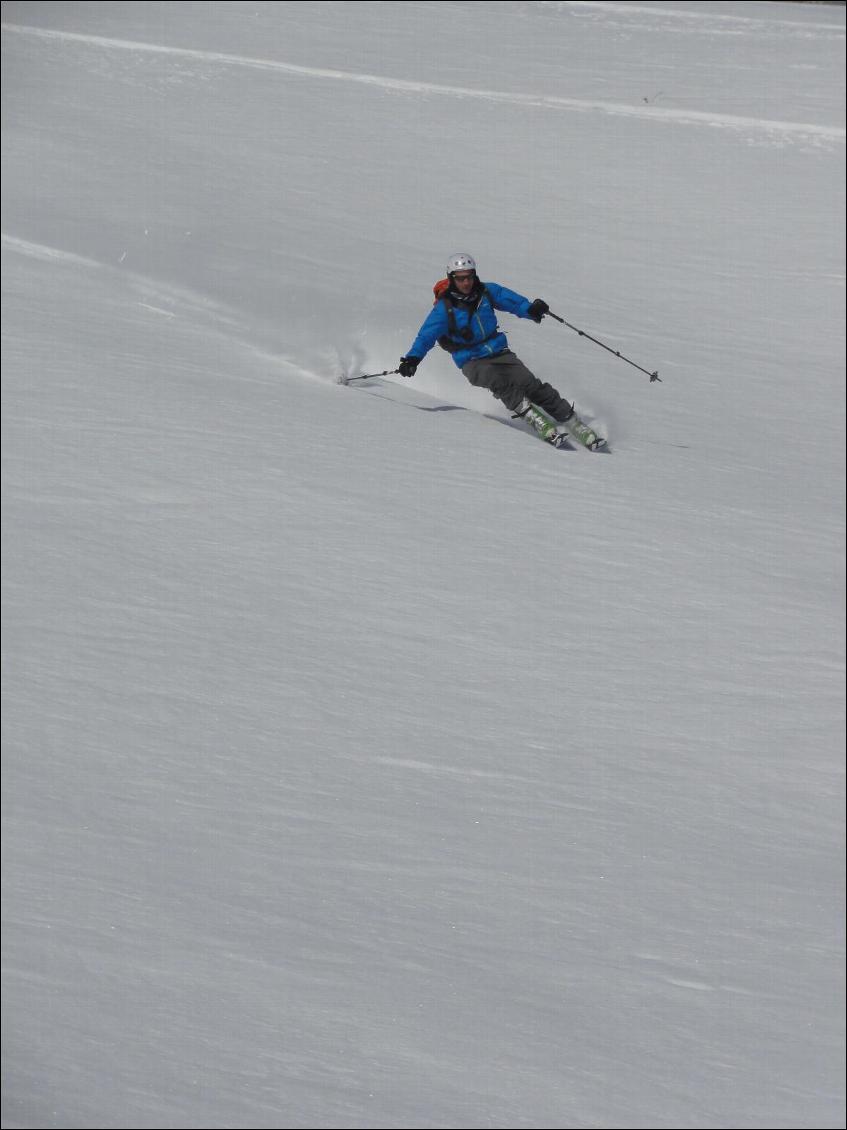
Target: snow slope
367,763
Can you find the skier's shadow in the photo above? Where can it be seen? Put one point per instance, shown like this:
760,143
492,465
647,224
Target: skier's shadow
418,407
439,408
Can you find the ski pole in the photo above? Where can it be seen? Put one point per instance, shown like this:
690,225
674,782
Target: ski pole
653,376
367,376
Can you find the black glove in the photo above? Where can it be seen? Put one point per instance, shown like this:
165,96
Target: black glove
407,366
538,309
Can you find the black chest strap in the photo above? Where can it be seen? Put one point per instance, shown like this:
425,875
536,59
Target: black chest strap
456,339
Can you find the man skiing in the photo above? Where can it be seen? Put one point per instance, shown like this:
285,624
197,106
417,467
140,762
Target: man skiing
463,321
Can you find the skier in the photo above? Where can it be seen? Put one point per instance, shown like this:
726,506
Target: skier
463,321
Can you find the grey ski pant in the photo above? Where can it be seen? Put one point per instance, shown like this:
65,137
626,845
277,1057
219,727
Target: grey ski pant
506,376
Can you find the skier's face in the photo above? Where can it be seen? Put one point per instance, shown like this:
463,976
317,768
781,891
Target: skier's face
464,281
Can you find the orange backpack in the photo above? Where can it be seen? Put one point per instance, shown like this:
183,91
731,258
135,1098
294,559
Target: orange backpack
440,289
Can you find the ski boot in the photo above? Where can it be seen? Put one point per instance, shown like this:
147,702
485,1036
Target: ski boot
583,433
541,422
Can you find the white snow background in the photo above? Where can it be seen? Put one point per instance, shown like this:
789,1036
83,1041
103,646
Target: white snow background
367,762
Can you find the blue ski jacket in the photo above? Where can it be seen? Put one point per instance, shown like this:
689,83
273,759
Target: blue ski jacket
487,338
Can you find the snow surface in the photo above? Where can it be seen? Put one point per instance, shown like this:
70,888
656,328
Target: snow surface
367,762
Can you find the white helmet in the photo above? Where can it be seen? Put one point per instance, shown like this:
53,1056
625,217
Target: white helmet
460,262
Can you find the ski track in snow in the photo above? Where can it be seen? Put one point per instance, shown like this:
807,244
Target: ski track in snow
777,131
720,19
171,301
154,294
44,253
